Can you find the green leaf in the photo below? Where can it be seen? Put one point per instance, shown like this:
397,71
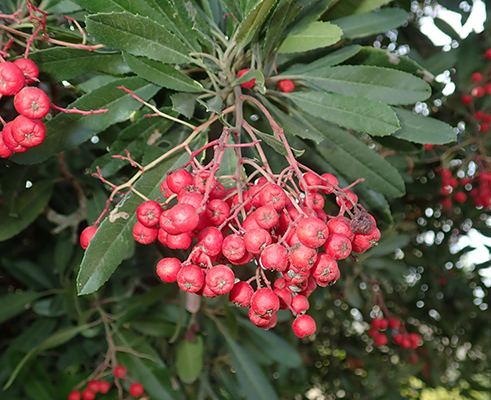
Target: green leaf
162,74
107,248
28,205
139,36
253,21
62,63
273,345
310,11
361,25
387,85
66,131
215,104
419,129
361,115
252,379
316,35
334,58
277,145
189,359
58,338
16,303
184,103
349,7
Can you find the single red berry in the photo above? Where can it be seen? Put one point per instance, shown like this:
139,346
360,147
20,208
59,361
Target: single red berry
190,278
29,68
88,394
380,340
460,197
28,132
362,242
203,180
74,395
220,279
211,240
304,325
32,102
467,99
136,389
347,199
340,225
241,294
249,84
312,232
5,152
478,92
143,234
94,386
329,181
479,114
86,236
295,276
104,387
286,85
487,88
167,269
9,140
266,216
265,302
338,246
148,213
164,188
181,241
256,240
120,372
300,304
395,323
476,77
12,79
415,340
274,257
308,287
179,179
184,216
274,195
325,270
302,257
285,296
217,211
483,127
262,321
233,247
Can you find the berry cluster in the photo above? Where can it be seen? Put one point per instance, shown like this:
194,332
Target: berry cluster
478,187
399,334
95,386
26,130
289,237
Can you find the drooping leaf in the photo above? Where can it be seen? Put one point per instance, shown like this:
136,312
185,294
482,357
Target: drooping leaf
16,303
138,35
362,115
66,131
334,58
28,205
162,74
317,35
107,248
253,21
387,85
62,63
371,23
189,359
419,129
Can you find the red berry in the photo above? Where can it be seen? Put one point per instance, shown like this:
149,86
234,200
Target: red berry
88,394
478,92
210,239
190,278
136,389
484,127
104,387
143,234
241,294
93,386
312,232
86,235
460,197
467,99
256,240
266,216
395,323
184,217
380,323
167,269
220,279
286,85
29,68
274,195
338,246
9,140
340,225
181,241
329,181
217,211
476,77
325,270
5,152
303,326
28,132
479,114
233,247
300,304
261,321
12,79
347,199
148,213
274,257
32,102
380,340
120,372
74,395
265,302
249,84
178,180
302,257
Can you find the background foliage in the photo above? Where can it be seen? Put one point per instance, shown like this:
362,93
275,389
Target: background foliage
366,77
